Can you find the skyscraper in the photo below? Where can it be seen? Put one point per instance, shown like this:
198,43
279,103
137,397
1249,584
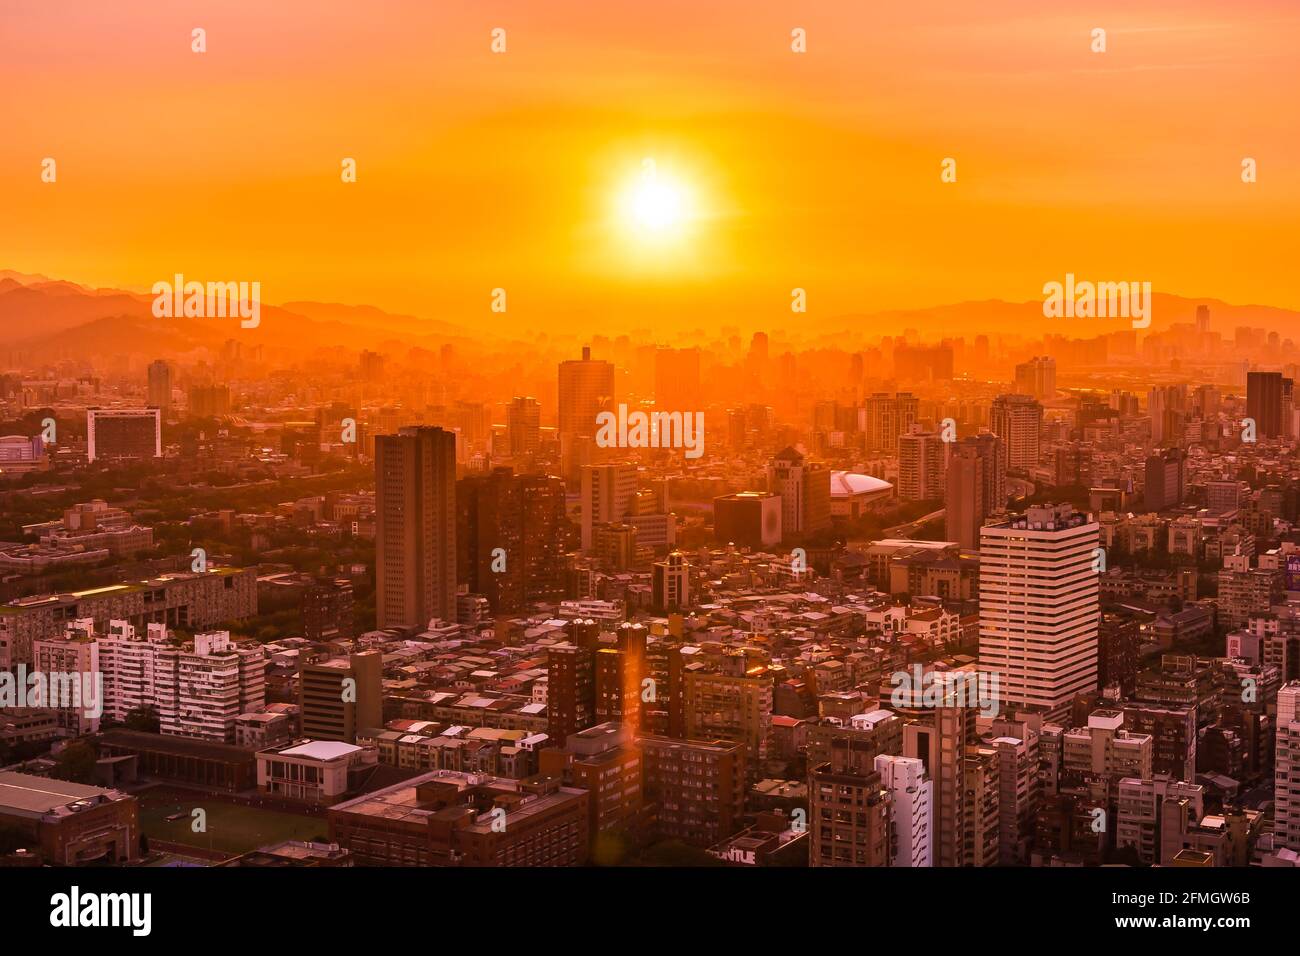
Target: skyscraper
1165,478
608,492
920,466
160,384
886,417
489,538
586,387
1037,377
1264,402
1039,606
523,426
415,527
912,809
964,496
1286,817
1016,419
805,490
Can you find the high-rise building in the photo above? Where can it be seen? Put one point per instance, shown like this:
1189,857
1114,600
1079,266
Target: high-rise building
938,737
1039,606
850,814
586,387
608,495
1286,814
524,426
698,785
805,490
415,527
912,809
1037,377
209,401
160,384
1017,420
671,583
489,538
571,680
620,670
732,701
964,496
604,761
327,610
341,696
123,434
203,687
885,418
1167,407
546,538
1264,394
1165,479
129,666
65,661
994,452
920,466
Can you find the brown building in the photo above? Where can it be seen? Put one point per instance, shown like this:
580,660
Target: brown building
489,516
448,818
620,672
70,823
183,759
415,527
571,681
340,696
732,701
849,814
603,761
697,785
327,610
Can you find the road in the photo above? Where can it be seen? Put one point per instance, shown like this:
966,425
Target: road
909,529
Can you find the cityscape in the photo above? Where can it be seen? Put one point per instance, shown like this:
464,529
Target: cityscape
610,552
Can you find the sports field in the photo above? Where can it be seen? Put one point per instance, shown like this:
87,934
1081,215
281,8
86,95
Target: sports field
229,827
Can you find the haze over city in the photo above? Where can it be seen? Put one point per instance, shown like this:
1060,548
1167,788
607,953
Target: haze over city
615,437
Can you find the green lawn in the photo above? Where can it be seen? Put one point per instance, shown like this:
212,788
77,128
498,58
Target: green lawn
230,828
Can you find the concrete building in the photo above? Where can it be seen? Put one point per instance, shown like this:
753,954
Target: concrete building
912,809
341,696
415,527
313,771
70,824
448,818
805,490
1039,606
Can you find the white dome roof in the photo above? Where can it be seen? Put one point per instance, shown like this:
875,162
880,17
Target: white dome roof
845,483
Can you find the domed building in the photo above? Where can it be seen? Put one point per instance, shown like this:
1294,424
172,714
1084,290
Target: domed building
852,494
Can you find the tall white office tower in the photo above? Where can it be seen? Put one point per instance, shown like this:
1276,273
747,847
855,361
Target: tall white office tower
1040,607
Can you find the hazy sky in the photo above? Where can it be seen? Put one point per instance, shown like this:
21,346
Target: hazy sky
820,170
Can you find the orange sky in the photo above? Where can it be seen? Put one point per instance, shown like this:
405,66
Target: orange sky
818,170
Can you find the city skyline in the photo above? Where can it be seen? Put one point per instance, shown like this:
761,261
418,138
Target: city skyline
457,441
818,170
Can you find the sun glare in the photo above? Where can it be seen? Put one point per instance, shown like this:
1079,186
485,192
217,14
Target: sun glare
654,205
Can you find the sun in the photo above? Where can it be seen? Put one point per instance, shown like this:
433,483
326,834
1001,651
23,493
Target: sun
654,205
